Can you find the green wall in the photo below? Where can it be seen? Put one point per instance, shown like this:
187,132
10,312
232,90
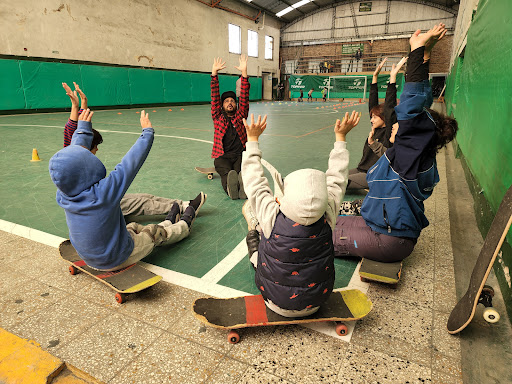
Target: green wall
479,96
37,85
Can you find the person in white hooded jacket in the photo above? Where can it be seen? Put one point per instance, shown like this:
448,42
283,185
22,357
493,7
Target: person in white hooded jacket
293,251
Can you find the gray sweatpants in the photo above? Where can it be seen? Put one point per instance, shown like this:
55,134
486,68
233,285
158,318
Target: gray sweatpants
147,237
352,237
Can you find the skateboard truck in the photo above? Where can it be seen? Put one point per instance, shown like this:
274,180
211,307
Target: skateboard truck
490,314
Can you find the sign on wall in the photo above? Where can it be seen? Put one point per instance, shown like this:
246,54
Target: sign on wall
365,7
351,48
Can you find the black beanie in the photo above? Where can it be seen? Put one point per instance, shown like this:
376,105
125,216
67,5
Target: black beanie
227,94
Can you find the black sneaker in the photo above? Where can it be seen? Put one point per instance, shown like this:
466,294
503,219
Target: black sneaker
232,185
198,202
241,191
189,215
253,241
174,214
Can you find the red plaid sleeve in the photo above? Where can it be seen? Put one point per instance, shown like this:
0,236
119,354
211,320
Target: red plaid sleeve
69,129
243,103
215,94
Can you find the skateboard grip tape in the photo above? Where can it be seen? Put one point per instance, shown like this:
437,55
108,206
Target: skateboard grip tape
255,310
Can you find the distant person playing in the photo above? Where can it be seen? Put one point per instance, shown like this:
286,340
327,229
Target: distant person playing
90,198
132,204
382,118
301,98
294,260
310,95
229,137
324,94
392,214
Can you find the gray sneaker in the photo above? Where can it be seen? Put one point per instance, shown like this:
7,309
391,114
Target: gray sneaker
249,215
232,185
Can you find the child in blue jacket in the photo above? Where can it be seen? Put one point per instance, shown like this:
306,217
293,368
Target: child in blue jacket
91,200
392,214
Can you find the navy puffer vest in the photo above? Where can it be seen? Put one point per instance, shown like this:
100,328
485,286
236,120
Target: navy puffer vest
296,264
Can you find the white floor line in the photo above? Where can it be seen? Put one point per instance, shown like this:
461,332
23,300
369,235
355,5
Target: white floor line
31,234
215,274
108,131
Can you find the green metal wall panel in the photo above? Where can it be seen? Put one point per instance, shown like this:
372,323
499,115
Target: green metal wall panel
12,95
177,87
105,85
42,82
146,86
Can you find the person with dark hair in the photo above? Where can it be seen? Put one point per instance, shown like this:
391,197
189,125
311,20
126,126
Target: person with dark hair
91,201
229,137
310,95
382,118
301,98
392,213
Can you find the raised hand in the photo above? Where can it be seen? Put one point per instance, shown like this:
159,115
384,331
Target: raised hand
72,95
242,67
379,67
395,69
218,65
144,120
254,130
343,127
83,98
86,115
419,39
370,137
438,32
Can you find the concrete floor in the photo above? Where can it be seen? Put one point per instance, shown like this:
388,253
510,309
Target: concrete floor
154,338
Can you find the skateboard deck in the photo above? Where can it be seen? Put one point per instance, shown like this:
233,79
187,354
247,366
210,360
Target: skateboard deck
131,279
251,311
477,292
207,171
388,273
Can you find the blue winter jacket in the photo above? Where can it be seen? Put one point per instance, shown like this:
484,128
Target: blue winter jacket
91,201
407,173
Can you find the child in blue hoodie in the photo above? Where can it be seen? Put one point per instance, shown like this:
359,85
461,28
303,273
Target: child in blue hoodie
96,224
392,214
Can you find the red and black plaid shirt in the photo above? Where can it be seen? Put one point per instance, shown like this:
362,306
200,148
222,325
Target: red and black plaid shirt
220,121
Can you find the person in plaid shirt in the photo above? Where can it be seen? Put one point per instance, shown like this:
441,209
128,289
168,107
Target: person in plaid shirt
230,136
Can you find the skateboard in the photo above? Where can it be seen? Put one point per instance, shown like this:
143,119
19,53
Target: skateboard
131,279
478,292
207,171
388,273
251,311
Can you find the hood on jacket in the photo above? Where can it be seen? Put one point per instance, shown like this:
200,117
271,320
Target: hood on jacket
305,197
74,169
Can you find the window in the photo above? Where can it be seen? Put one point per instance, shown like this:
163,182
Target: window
235,39
252,43
269,47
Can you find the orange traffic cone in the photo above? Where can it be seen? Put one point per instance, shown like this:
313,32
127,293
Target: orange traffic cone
35,155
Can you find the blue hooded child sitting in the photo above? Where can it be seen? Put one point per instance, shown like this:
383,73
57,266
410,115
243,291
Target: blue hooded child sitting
96,224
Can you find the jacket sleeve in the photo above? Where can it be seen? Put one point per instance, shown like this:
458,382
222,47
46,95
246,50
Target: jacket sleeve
378,148
69,129
373,100
215,95
119,180
257,188
243,105
83,134
337,178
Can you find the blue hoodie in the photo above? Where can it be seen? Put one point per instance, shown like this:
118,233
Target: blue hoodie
406,174
91,201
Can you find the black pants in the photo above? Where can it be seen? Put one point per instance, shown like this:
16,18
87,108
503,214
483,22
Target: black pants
226,163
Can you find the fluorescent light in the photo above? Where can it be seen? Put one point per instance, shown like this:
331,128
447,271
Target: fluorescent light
284,11
300,3
292,7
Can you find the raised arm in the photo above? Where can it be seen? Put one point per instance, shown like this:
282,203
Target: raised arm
255,183
243,103
337,173
217,66
374,89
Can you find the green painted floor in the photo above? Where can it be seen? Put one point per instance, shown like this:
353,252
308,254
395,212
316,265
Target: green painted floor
298,135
